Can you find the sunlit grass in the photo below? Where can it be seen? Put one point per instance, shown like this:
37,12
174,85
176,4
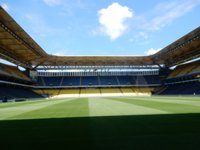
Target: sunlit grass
120,123
102,106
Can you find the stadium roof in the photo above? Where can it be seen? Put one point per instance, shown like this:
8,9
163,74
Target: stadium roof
18,47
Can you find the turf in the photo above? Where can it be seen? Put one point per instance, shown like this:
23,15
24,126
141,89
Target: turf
102,123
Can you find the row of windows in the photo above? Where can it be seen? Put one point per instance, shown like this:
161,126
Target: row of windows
100,67
137,73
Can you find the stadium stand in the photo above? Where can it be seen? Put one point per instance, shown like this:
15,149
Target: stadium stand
40,81
111,92
87,81
196,69
90,92
186,69
183,80
191,88
125,80
17,93
95,92
52,81
71,81
108,80
70,92
128,92
81,76
51,92
11,72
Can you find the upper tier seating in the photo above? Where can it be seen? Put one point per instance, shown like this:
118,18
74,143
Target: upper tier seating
52,81
40,81
185,69
99,80
92,80
108,80
125,80
71,81
13,72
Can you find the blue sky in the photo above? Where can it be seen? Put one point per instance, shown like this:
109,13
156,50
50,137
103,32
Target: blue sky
104,27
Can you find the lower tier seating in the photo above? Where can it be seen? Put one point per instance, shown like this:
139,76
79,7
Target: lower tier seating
192,88
89,92
10,92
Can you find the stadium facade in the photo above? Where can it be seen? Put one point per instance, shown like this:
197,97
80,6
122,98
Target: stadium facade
174,70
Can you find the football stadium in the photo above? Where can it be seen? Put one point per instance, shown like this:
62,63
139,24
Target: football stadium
98,102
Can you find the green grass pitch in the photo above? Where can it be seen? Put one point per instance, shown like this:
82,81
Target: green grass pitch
102,123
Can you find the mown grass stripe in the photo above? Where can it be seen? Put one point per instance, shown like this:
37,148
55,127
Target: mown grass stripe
191,98
28,102
68,108
108,107
185,102
170,100
188,98
10,112
164,106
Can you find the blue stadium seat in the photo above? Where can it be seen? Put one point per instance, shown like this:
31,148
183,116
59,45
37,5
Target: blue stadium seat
182,89
108,80
88,81
71,81
52,81
17,92
98,80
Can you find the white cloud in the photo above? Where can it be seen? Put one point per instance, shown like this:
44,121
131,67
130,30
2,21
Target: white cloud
112,20
152,51
169,11
53,2
59,54
5,6
143,35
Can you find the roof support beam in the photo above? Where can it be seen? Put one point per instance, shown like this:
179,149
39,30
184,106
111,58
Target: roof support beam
7,29
6,56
